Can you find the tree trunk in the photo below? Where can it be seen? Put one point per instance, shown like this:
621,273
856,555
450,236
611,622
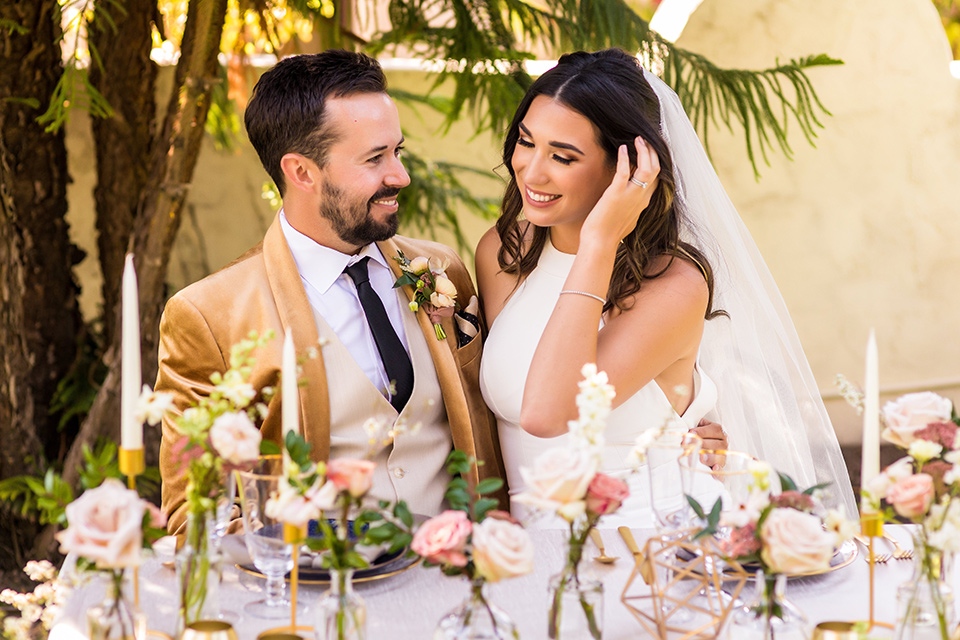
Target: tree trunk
39,313
123,142
155,227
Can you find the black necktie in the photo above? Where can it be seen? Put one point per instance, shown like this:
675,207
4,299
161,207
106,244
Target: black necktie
392,354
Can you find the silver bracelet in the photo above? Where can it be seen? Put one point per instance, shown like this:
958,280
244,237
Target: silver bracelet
584,293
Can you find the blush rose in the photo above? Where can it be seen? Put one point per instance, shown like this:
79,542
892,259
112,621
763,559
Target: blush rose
352,475
911,496
443,539
501,550
605,494
235,438
105,526
795,542
912,412
558,481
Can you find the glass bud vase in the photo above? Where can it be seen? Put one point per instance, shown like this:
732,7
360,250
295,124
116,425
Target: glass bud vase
476,619
769,615
117,617
198,572
576,602
342,613
925,606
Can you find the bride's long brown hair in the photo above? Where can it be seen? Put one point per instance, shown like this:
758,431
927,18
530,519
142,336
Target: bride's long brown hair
608,88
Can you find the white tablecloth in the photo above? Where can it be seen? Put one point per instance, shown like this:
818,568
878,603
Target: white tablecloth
408,606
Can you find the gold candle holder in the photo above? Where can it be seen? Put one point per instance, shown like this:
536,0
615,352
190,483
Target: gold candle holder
132,464
209,630
284,633
292,535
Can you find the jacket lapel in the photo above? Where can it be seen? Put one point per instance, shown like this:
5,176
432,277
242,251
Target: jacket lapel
296,315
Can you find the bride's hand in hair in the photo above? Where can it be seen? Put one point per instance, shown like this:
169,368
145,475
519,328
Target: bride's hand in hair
616,213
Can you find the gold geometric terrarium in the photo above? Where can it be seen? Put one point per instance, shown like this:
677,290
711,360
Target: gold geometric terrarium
675,589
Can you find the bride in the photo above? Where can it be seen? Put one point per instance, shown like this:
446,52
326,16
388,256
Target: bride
618,245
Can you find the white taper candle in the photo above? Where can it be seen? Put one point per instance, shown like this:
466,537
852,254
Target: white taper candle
131,431
870,455
290,397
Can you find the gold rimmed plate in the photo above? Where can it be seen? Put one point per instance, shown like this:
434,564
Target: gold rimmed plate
845,555
384,566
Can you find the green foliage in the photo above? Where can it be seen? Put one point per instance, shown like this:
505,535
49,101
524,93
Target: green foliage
12,27
76,391
459,495
223,121
46,496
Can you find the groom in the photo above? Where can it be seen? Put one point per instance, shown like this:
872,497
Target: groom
329,136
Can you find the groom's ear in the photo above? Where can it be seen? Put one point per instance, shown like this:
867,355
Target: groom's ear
300,172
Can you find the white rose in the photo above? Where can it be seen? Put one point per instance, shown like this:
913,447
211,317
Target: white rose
443,286
441,301
501,549
235,438
558,478
105,526
795,542
288,506
419,265
911,412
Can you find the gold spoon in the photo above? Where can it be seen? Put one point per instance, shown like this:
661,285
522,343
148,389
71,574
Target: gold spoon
603,558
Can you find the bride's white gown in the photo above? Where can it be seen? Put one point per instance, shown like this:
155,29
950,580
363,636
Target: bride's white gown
507,354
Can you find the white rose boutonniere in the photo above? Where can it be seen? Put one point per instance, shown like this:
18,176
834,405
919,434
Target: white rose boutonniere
432,289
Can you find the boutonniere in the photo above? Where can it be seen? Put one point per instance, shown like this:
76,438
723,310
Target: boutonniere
432,289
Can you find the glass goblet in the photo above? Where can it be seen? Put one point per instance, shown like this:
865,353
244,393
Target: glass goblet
271,555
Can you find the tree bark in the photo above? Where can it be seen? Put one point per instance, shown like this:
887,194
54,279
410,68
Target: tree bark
155,226
39,313
123,142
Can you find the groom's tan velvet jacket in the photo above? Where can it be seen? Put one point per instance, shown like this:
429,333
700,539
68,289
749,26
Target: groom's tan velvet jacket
262,290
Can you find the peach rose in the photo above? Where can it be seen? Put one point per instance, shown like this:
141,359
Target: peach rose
352,475
105,526
444,287
911,496
443,538
419,265
605,494
912,412
558,481
441,301
795,542
501,550
235,438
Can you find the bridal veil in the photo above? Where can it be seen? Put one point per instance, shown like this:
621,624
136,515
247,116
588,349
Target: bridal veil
768,403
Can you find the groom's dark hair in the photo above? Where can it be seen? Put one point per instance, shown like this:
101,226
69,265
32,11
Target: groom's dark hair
287,111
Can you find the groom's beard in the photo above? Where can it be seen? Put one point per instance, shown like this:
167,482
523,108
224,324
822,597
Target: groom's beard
352,221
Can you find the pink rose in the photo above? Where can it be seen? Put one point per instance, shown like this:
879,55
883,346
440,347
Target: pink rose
443,538
911,496
105,526
795,542
501,550
235,438
912,412
352,475
605,494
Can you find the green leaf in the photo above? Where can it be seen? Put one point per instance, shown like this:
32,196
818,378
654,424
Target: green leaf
482,506
457,463
269,448
697,509
816,487
786,482
458,499
404,280
488,486
713,520
403,512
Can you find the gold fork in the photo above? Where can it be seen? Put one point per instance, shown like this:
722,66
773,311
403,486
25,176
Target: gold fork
899,553
878,558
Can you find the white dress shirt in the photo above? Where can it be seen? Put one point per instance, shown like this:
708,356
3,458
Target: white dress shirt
334,296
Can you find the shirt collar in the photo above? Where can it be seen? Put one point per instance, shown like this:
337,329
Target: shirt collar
320,265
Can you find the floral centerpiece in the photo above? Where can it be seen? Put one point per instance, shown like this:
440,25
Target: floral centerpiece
332,495
474,540
778,530
923,487
566,481
433,291
107,528
217,436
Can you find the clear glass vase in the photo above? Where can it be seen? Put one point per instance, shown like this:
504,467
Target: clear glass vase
476,619
117,617
342,614
576,601
925,607
769,615
198,565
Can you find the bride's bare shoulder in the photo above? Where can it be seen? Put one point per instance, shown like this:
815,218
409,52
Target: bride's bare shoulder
493,283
